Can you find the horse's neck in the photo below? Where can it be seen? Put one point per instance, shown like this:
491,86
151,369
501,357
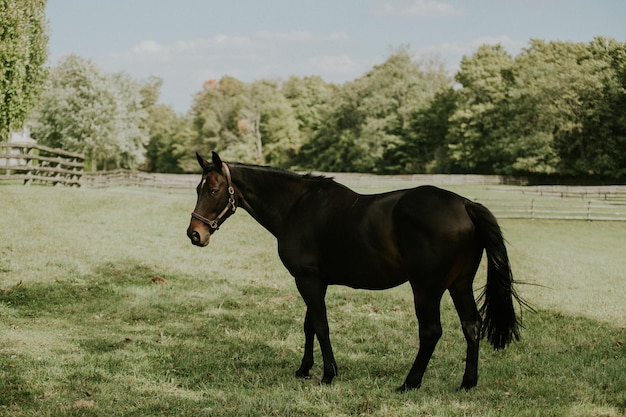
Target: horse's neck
267,195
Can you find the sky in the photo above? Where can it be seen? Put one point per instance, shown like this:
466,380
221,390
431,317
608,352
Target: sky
186,42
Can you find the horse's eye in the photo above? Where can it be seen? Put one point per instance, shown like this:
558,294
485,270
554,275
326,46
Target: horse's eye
213,192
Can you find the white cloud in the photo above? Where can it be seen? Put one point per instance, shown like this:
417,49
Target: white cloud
185,64
334,65
465,48
257,42
453,52
149,48
417,8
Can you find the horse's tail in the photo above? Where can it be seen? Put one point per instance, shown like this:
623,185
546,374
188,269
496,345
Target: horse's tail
500,323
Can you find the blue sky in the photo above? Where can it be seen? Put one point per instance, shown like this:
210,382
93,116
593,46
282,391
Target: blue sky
186,42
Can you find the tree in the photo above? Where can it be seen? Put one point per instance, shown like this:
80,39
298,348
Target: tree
570,108
425,137
596,148
426,148
23,51
214,117
372,118
554,89
247,122
310,98
99,115
477,135
168,132
275,128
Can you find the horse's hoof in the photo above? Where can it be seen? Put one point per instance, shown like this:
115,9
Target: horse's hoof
466,386
406,387
326,380
303,374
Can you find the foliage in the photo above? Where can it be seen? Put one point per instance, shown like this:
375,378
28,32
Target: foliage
168,132
310,98
371,121
23,51
247,122
97,324
478,126
555,108
99,115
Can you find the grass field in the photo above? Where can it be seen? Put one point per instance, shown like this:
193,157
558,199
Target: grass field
107,310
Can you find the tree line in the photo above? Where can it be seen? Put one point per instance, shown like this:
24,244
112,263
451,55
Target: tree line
557,108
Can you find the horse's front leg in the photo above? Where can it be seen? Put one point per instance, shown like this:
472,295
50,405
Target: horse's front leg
313,293
309,339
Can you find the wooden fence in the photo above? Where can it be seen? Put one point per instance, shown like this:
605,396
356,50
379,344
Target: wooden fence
29,162
126,178
559,208
606,203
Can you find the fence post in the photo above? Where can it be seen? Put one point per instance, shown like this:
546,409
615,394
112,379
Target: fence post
7,164
589,210
29,163
532,209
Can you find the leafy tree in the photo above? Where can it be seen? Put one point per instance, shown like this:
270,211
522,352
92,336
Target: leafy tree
554,91
556,108
248,122
214,118
598,148
477,134
23,51
569,100
99,115
310,98
421,145
168,132
425,149
278,136
372,118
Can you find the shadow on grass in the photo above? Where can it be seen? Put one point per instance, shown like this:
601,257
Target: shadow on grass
141,346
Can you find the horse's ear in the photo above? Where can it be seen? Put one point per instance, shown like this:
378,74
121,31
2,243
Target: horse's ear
203,162
217,161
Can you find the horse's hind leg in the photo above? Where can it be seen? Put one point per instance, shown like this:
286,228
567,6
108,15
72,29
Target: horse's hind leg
471,322
427,309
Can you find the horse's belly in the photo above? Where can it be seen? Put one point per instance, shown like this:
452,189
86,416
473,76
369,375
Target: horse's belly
368,274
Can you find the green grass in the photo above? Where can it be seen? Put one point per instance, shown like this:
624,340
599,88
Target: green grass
86,329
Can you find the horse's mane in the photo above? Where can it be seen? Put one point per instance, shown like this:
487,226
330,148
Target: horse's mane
308,176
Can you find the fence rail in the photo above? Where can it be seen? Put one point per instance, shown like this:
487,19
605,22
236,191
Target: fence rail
605,203
29,162
126,178
562,208
600,192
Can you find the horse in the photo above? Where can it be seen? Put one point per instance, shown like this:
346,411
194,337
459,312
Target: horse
330,235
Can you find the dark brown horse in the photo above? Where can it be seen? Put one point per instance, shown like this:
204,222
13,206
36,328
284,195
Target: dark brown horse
328,234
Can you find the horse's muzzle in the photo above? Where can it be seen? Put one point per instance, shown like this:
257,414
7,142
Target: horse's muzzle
197,237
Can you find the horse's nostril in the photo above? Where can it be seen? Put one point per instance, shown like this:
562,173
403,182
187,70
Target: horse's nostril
195,236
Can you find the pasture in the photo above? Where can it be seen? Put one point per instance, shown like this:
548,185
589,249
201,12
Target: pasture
107,309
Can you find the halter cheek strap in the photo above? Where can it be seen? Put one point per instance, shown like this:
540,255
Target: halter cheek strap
214,224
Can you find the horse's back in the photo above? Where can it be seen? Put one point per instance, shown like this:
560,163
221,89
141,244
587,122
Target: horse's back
427,204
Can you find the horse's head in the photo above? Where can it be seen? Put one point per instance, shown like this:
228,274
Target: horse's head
216,200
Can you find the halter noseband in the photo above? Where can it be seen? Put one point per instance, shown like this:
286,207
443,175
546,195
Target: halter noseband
214,224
